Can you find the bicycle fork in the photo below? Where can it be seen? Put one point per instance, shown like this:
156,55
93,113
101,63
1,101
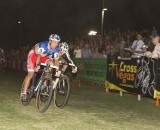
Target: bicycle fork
55,83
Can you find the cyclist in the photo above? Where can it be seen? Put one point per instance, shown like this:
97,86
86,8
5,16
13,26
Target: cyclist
39,54
65,57
2,59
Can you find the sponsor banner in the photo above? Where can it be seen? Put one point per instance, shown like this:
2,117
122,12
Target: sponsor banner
134,75
91,70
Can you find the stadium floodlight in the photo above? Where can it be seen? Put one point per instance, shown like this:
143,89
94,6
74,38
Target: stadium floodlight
91,33
104,9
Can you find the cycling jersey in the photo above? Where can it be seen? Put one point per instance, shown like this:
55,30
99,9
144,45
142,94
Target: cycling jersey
43,50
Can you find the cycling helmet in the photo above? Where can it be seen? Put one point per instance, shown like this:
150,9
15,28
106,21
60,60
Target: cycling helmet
55,37
63,47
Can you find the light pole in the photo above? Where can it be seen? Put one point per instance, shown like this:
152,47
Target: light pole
20,33
103,10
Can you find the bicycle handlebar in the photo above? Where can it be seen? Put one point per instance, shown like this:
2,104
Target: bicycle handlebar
62,63
51,66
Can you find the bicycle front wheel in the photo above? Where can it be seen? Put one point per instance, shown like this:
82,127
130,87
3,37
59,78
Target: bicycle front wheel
44,95
62,92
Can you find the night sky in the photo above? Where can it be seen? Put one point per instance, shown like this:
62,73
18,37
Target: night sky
71,18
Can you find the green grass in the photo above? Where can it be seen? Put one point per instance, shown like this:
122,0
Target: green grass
89,108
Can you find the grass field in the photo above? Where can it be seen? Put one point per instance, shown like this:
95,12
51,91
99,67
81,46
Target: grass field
89,108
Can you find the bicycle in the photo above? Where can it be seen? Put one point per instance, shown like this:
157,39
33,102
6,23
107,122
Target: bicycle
60,90
45,80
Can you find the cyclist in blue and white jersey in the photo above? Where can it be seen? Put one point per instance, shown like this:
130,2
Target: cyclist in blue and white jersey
39,54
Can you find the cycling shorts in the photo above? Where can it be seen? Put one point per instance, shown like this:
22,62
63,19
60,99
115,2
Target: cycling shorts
31,61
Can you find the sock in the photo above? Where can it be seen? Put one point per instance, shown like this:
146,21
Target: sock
24,92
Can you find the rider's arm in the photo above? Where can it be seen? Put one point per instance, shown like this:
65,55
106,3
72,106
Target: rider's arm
38,60
74,67
69,59
56,59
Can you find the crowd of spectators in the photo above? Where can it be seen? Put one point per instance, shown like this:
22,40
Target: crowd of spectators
112,43
16,59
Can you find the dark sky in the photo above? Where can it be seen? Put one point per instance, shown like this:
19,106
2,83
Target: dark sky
71,18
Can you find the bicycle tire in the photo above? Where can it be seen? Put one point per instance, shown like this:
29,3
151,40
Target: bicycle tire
29,93
44,95
62,84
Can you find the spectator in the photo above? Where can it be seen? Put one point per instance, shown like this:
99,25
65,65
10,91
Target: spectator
144,50
155,41
104,54
107,49
122,45
96,54
154,31
77,52
86,52
111,53
137,44
71,51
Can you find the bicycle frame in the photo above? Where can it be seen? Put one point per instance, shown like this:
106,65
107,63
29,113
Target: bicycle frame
39,82
41,78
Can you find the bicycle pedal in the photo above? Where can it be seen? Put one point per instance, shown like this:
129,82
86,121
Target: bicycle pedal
45,94
61,92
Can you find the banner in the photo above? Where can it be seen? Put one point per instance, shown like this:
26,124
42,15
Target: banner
91,70
136,75
133,75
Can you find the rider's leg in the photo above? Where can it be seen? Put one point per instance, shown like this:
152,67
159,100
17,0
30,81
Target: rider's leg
64,66
30,66
26,85
27,81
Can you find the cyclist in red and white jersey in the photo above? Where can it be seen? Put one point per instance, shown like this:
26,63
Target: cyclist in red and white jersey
39,54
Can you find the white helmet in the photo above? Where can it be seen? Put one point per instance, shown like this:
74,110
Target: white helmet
54,37
63,46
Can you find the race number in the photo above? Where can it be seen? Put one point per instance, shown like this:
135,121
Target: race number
41,50
56,56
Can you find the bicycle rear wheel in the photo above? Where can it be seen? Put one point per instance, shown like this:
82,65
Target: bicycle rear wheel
62,92
44,95
29,93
